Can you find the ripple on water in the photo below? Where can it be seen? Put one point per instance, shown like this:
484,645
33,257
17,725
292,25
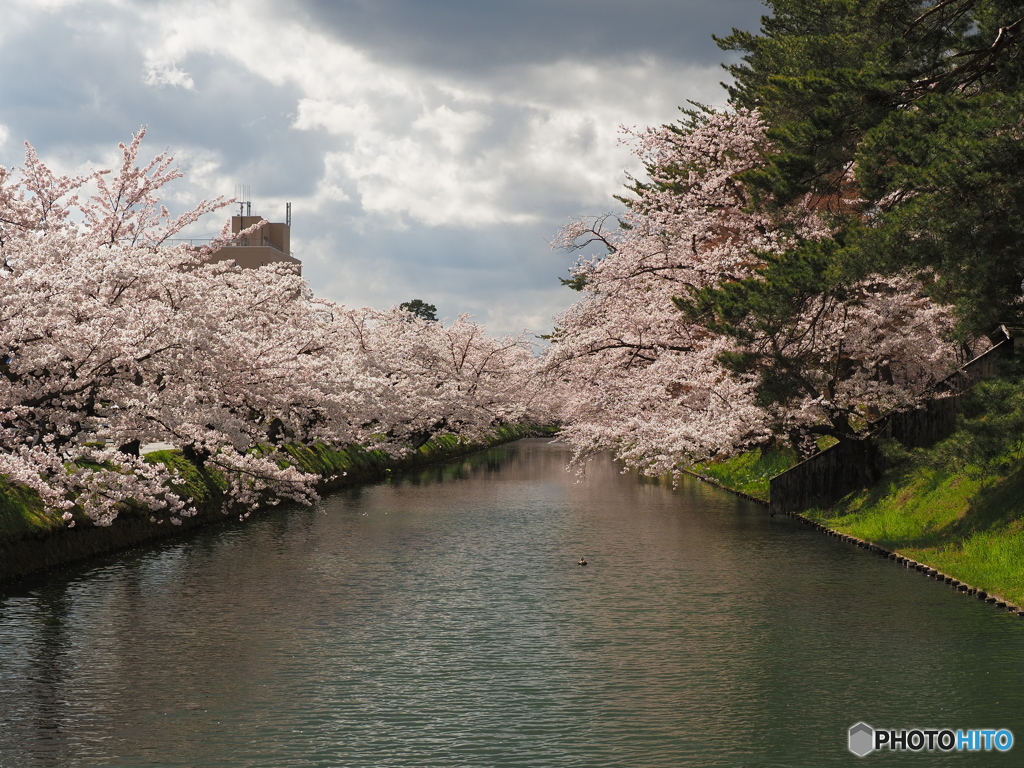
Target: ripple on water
441,620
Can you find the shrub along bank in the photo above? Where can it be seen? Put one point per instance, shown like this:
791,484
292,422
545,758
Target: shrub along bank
33,539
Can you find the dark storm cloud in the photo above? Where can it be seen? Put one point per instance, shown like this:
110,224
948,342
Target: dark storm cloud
472,36
68,92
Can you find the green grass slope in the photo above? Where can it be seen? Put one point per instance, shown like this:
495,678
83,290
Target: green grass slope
750,472
965,525
959,505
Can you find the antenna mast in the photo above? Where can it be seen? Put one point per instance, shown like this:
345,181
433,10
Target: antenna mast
242,195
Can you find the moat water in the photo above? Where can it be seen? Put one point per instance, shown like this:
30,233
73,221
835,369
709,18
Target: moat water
441,619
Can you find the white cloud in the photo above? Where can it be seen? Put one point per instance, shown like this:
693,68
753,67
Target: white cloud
334,117
450,128
437,150
159,75
396,176
406,174
47,5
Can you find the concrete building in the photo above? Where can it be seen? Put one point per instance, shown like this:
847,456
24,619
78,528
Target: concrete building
270,244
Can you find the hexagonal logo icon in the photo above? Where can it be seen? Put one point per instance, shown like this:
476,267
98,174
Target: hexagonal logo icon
862,737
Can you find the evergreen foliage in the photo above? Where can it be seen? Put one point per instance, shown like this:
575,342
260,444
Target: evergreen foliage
420,309
989,441
903,119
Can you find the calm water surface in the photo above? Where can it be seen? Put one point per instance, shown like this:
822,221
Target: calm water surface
441,620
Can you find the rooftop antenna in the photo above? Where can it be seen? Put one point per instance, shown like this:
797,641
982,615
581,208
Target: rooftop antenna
242,195
288,214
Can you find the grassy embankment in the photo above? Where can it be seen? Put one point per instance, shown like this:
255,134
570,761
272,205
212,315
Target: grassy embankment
951,506
957,506
748,473
32,537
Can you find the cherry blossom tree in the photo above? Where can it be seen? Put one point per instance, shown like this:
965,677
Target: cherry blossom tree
663,377
112,338
430,378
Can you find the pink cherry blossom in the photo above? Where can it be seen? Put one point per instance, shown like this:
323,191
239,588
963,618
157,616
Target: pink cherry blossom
642,380
112,338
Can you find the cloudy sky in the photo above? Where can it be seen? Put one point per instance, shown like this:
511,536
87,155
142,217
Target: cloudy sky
430,148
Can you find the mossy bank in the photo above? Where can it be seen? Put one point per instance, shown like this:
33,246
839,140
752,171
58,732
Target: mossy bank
32,539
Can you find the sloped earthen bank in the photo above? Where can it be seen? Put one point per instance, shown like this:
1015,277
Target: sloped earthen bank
920,521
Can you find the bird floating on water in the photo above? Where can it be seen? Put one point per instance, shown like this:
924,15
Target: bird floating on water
582,561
